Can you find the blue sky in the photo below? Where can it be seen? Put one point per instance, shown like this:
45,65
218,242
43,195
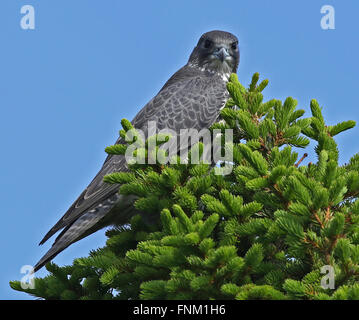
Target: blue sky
65,86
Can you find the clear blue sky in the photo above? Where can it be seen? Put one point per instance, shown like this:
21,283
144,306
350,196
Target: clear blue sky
65,86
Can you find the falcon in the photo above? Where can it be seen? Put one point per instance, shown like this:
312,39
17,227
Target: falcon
190,99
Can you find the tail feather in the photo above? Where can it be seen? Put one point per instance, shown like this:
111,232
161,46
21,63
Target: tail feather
73,233
116,210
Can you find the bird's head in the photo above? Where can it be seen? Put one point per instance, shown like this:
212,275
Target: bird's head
216,51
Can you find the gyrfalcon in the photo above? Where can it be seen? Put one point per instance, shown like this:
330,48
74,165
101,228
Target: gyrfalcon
191,98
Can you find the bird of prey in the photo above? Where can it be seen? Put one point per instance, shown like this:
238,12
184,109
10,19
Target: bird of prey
190,99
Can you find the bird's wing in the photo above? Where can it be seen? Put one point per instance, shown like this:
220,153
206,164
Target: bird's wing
96,192
188,100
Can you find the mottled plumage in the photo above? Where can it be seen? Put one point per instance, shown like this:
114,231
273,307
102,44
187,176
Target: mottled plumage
191,98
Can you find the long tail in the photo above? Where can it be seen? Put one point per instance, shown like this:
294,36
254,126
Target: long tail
73,233
116,210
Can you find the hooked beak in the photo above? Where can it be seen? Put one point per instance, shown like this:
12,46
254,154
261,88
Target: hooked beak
221,53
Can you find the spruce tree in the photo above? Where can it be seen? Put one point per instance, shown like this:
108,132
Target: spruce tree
267,230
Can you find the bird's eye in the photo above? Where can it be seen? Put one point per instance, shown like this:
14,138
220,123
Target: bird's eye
234,45
207,43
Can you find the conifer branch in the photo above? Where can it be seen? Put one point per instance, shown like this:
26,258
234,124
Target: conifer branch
301,159
261,232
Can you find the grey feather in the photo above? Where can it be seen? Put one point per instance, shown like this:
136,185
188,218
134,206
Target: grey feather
191,98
